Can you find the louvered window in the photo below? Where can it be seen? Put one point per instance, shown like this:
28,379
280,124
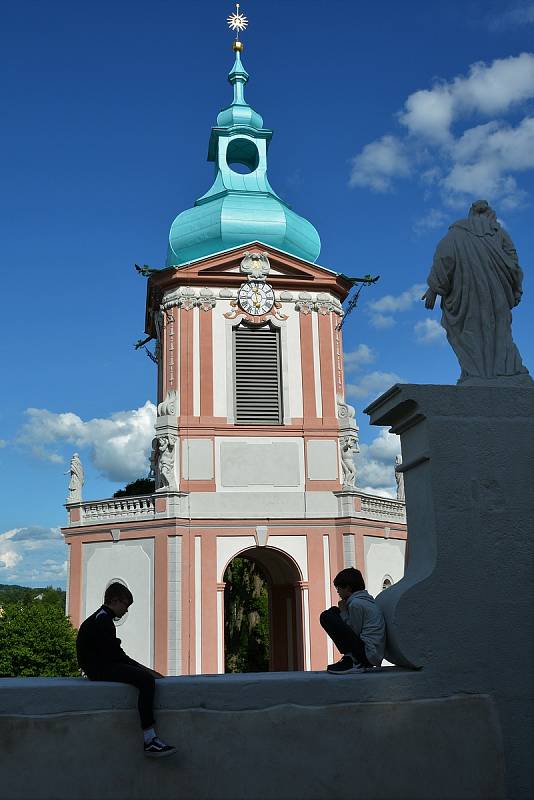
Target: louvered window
257,380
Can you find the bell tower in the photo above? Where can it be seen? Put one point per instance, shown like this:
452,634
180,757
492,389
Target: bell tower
253,452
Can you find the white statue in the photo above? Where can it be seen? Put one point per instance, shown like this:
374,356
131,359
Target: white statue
76,480
154,461
399,477
348,441
165,470
477,275
348,445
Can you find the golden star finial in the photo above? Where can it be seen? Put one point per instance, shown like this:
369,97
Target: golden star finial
237,22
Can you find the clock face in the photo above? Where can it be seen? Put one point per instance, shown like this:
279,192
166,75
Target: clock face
256,297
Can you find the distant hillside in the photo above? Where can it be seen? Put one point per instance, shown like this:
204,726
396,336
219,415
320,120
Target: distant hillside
31,594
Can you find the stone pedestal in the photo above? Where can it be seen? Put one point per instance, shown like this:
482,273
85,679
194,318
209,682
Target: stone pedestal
464,610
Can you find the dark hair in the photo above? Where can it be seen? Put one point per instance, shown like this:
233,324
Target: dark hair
350,577
118,591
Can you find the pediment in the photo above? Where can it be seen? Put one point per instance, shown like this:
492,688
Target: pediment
223,269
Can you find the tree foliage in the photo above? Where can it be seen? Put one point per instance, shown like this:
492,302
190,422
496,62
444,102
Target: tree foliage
36,639
246,625
23,595
140,486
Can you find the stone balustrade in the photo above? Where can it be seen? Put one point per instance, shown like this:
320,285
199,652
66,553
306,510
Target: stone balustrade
383,507
114,509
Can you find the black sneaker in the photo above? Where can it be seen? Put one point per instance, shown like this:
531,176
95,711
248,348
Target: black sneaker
158,749
345,666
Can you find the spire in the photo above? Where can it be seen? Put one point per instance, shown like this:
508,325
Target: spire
238,77
239,112
241,206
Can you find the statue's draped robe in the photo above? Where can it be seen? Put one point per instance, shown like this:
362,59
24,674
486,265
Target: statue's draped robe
476,272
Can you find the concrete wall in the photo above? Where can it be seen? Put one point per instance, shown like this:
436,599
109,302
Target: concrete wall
287,736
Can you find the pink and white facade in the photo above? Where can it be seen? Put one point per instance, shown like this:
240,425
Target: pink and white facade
277,493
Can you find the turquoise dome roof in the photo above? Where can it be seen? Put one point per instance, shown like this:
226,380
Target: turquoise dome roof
241,206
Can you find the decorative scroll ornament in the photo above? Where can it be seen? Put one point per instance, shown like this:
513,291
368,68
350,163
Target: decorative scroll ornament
255,265
188,300
183,297
206,300
346,415
324,304
305,303
168,406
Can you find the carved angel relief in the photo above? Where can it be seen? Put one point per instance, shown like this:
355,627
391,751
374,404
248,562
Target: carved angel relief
255,265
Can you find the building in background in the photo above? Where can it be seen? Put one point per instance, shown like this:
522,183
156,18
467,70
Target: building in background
253,451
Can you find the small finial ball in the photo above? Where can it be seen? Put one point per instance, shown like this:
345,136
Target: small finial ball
237,46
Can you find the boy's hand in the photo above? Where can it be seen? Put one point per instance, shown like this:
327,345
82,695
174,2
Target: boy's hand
156,674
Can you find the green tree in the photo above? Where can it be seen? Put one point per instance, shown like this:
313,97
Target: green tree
36,640
140,486
24,595
246,624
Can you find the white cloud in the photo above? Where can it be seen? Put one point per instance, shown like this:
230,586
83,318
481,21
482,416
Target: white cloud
429,331
119,445
9,558
460,163
375,464
37,553
381,310
523,14
484,157
355,359
488,89
382,321
434,218
378,163
3,443
374,383
429,113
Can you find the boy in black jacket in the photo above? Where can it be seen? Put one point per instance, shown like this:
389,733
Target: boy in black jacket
102,658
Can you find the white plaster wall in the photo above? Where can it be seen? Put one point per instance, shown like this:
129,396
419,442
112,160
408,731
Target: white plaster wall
349,550
197,459
327,591
196,360
294,546
198,604
131,561
259,464
249,504
317,365
382,557
228,547
294,371
174,595
69,551
323,459
219,357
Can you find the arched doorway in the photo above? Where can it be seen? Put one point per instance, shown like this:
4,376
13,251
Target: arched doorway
263,628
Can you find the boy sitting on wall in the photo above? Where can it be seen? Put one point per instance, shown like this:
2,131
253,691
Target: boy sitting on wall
356,626
102,658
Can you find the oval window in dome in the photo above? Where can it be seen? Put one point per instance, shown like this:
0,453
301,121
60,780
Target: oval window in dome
242,156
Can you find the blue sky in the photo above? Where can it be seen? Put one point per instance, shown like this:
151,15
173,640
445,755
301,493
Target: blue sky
389,120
